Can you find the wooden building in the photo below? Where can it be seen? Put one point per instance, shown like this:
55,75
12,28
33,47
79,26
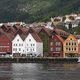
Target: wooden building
55,45
70,46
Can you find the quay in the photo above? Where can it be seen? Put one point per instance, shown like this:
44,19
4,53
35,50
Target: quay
38,60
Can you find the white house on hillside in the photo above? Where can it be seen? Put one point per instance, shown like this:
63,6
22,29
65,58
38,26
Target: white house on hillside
33,44
17,45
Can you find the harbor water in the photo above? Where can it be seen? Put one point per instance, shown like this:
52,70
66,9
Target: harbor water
39,71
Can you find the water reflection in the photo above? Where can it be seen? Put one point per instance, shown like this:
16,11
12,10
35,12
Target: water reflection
41,71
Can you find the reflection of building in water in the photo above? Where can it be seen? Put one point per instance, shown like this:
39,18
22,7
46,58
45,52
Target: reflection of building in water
70,66
6,71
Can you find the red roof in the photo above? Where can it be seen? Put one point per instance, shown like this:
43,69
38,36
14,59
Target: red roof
60,32
34,34
77,36
60,38
48,31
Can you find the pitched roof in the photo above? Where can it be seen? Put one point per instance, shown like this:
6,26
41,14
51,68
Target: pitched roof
34,34
77,36
4,28
60,32
60,38
21,34
46,30
72,36
7,35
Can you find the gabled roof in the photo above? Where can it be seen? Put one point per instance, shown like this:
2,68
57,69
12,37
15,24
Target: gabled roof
77,36
72,36
34,34
60,38
46,30
8,36
60,32
16,27
4,28
21,34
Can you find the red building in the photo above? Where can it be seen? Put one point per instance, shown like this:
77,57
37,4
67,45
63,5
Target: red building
55,45
5,44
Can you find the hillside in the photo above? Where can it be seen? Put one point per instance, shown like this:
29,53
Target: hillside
35,10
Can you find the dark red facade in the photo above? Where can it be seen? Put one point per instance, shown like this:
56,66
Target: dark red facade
5,44
55,46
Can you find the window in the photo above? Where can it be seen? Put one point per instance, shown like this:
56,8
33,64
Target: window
74,43
17,39
51,43
14,49
22,44
75,49
58,49
66,43
51,49
27,49
52,36
33,49
66,48
30,49
31,44
8,43
19,49
16,44
72,49
27,44
69,49
69,43
29,39
19,44
58,43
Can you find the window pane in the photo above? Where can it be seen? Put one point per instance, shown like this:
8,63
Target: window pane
51,43
51,49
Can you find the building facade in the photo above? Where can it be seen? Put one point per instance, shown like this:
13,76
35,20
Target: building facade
44,34
70,46
55,45
17,45
5,44
33,44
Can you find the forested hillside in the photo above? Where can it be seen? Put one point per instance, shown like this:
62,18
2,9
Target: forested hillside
36,10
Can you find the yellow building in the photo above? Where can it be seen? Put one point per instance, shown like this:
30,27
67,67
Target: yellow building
70,46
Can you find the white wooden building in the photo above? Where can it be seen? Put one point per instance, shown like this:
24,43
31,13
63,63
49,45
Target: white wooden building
33,44
17,45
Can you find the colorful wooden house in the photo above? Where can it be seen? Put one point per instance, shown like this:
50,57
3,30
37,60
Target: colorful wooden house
5,44
70,46
55,45
33,44
18,44
44,34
